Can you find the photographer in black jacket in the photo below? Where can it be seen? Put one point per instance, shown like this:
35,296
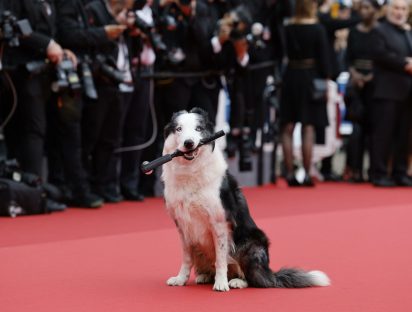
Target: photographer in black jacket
65,158
186,27
30,69
103,118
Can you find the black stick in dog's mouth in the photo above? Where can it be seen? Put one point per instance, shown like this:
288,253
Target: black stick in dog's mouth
190,155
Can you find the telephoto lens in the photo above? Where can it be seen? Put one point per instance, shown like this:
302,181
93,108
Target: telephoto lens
89,88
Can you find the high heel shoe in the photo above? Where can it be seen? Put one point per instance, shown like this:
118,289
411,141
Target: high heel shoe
308,182
292,182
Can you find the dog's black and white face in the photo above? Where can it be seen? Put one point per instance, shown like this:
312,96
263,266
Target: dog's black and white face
185,132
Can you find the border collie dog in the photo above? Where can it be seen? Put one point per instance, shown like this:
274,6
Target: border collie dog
219,238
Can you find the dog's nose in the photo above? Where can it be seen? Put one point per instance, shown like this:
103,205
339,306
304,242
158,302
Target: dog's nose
189,144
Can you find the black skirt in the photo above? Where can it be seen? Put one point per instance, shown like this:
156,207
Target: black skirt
296,104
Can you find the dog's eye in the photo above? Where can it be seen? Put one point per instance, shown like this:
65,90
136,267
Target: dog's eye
179,129
199,129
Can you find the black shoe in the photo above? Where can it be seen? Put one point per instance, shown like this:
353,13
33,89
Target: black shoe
383,182
331,177
292,182
403,181
132,195
53,206
308,182
87,200
112,197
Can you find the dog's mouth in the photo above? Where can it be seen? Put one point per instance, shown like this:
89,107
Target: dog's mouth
190,155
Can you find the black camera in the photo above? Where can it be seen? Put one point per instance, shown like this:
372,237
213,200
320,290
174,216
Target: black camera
150,31
66,76
238,20
255,38
107,68
12,29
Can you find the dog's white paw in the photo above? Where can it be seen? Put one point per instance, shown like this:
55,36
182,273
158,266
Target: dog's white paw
176,281
204,279
237,283
221,284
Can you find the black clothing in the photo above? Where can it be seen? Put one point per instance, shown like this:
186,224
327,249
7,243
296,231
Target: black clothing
26,132
73,30
390,50
27,129
391,111
102,122
332,25
359,101
305,44
359,52
134,132
42,18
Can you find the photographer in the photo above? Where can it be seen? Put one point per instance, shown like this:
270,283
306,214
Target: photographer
137,113
103,118
186,29
64,152
231,49
25,134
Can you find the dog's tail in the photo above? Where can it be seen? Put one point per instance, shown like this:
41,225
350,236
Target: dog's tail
286,278
296,278
258,273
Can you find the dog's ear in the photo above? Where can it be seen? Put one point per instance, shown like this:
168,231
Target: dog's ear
200,111
171,126
209,124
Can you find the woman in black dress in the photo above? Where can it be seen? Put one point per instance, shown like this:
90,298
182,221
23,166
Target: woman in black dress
307,52
360,89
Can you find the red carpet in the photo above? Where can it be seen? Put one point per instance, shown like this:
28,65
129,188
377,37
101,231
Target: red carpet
118,258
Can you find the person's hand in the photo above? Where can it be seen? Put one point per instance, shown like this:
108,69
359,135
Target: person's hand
357,78
368,78
241,48
54,52
71,56
114,31
408,66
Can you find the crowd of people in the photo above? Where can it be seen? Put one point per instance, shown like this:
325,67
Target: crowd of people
91,72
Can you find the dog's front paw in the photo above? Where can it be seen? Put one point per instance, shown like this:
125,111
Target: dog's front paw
176,281
221,285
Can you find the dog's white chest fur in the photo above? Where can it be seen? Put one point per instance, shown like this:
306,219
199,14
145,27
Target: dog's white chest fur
193,198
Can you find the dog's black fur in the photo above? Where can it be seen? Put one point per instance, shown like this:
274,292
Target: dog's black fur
252,244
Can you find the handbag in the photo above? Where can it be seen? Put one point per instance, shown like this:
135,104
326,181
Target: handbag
319,89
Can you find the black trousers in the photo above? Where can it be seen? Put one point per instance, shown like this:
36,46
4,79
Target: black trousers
26,132
357,144
136,116
182,94
64,149
390,131
101,130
